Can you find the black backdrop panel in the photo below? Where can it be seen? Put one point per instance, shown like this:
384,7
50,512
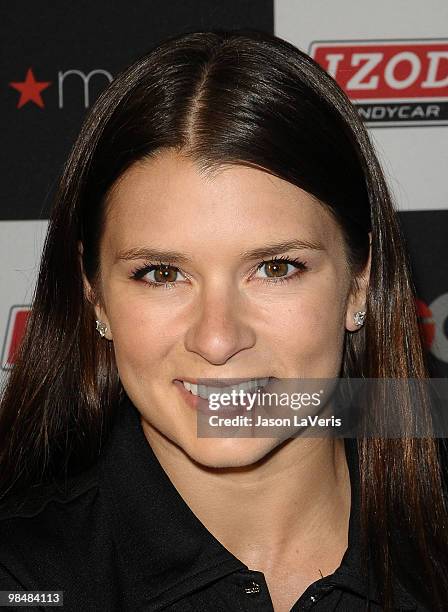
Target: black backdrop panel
426,236
64,43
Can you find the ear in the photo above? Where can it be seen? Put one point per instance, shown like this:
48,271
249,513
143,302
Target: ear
90,296
357,299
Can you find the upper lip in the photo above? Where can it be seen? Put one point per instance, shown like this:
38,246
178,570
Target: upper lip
220,382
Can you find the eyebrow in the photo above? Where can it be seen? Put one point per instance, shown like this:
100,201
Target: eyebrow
268,250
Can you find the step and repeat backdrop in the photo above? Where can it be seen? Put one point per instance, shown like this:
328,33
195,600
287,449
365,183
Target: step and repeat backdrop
391,58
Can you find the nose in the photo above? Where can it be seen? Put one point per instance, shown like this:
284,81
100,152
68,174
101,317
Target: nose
220,328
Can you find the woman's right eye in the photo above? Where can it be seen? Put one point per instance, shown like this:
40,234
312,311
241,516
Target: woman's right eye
160,275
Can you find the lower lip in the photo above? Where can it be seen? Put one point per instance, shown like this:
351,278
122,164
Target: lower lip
201,405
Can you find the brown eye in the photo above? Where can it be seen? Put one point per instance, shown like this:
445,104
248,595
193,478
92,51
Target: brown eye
276,268
158,275
282,269
165,274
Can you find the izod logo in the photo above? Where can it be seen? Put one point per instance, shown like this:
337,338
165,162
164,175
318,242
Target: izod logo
402,82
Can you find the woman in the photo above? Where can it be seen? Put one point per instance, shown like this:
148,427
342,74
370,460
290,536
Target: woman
214,220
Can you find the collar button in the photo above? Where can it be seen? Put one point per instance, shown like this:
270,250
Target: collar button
252,588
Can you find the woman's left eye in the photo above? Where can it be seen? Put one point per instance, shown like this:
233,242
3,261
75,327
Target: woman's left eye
281,269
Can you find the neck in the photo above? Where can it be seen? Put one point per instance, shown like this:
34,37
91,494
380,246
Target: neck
294,504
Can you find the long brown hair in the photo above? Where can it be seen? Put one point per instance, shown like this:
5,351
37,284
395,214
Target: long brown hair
244,98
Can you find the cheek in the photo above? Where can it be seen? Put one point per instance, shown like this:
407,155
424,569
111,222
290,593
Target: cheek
142,334
309,329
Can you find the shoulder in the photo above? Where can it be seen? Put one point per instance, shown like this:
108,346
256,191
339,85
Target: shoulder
37,499
47,518
46,534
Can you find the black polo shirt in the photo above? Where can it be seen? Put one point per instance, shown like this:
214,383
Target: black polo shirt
121,538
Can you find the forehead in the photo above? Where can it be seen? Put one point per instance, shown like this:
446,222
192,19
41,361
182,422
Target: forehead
169,193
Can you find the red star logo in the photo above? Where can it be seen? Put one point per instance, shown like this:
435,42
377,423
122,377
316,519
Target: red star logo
30,89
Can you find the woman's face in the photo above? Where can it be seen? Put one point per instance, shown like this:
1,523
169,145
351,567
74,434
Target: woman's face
227,311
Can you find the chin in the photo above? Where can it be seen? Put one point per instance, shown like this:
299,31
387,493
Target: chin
230,452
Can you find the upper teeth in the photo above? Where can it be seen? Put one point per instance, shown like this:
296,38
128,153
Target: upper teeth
204,391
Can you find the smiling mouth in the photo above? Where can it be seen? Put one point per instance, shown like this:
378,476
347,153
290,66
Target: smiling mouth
204,391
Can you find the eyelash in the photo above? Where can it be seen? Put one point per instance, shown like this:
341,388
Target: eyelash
141,271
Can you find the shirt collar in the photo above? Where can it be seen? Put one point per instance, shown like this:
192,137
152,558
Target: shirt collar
351,573
167,551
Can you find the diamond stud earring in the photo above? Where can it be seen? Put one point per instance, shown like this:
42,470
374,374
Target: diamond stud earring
101,328
359,317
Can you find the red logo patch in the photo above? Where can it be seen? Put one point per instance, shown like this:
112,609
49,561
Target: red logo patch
15,329
398,82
